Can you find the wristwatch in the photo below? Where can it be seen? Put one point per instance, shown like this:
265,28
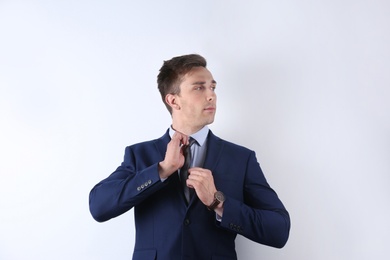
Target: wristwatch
218,198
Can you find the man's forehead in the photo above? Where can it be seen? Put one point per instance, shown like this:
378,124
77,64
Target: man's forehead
200,73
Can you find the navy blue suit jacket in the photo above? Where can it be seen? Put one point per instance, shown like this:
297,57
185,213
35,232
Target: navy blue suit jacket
167,228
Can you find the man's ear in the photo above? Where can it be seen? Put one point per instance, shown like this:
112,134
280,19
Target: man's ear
171,100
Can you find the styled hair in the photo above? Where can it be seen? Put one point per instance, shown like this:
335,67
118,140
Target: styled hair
172,72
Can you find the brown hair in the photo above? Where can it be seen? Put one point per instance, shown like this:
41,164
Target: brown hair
172,71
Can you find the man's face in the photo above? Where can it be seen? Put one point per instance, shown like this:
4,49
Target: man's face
197,99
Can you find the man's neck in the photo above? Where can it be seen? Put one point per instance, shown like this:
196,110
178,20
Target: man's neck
187,130
199,136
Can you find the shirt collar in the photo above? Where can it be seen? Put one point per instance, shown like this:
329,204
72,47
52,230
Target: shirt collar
199,136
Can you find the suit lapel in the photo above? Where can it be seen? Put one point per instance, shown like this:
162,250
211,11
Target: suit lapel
214,151
213,154
161,145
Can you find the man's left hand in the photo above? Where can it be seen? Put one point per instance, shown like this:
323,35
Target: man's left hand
203,182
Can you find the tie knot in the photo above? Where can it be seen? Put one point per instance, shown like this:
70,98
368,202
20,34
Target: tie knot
187,148
191,141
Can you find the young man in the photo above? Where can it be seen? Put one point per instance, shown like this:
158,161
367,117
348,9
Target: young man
193,213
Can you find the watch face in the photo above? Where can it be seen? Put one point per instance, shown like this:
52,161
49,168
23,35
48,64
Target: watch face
219,196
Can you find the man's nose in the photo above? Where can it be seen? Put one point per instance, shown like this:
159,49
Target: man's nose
211,95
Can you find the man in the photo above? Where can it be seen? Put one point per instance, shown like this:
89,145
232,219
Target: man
196,217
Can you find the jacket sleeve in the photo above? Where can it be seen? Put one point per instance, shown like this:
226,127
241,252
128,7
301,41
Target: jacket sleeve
260,216
124,188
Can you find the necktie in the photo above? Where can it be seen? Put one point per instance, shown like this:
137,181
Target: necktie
184,170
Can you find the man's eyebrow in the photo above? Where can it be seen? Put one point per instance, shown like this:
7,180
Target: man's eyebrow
203,82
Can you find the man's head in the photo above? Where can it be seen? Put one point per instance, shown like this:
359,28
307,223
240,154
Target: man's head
172,73
188,90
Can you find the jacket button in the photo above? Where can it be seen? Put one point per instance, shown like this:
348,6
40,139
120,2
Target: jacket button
138,188
187,222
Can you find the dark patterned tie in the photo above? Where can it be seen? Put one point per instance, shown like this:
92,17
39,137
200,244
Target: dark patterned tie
184,170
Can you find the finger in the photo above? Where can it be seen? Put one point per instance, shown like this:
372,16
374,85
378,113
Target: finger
178,140
189,185
184,139
199,177
174,145
199,171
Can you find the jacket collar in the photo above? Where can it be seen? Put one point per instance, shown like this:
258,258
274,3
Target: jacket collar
214,151
161,144
214,148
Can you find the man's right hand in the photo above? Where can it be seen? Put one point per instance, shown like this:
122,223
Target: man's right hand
174,158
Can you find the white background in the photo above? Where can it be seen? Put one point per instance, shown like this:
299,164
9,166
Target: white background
303,83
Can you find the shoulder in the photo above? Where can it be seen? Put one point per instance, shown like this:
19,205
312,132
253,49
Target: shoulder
146,153
150,144
144,143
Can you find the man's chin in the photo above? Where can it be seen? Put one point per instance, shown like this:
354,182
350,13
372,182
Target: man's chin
209,122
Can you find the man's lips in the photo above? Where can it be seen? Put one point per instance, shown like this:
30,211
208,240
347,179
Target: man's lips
210,109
